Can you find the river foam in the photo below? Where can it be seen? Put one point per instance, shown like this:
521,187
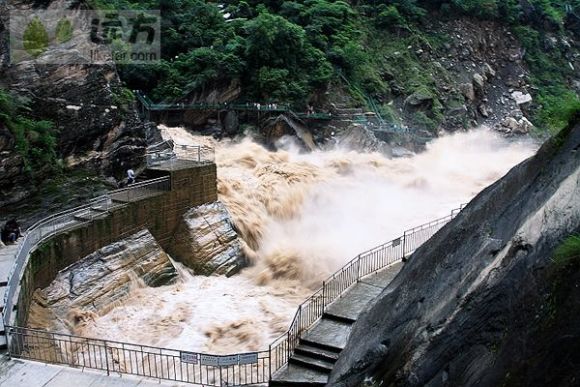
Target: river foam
301,216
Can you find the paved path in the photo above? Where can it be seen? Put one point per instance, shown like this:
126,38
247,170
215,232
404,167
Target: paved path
7,256
18,373
321,345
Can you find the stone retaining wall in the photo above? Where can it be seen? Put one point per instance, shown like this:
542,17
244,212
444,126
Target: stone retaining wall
191,185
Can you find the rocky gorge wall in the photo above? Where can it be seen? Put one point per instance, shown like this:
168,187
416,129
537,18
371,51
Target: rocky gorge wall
483,302
95,126
97,282
206,241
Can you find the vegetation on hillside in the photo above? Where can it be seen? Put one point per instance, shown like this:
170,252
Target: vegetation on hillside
290,51
568,251
35,140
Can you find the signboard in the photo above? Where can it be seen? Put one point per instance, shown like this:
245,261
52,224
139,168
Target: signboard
209,360
228,360
248,358
188,357
396,242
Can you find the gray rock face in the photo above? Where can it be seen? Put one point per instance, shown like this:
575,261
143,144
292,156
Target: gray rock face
12,179
231,123
81,99
483,303
288,124
207,242
363,140
94,129
95,283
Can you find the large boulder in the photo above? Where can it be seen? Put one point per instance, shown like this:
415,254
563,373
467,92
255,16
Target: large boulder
484,302
361,139
207,242
419,100
100,280
289,125
512,125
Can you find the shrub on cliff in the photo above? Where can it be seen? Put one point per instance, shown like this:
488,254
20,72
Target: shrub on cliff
35,140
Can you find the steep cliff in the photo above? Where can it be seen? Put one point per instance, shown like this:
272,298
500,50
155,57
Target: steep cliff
484,302
95,124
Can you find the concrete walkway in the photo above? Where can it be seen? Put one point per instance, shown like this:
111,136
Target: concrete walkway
18,373
7,257
321,345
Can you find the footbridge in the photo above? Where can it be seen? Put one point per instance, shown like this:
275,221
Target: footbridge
340,115
304,355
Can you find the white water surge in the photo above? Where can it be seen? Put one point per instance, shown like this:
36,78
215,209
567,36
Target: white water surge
302,217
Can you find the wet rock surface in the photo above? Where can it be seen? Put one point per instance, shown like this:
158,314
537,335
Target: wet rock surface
207,242
361,139
100,280
483,303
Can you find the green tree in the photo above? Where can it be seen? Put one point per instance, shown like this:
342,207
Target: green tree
64,31
35,38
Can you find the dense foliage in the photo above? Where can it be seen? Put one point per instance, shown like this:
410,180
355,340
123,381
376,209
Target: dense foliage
568,251
34,140
288,51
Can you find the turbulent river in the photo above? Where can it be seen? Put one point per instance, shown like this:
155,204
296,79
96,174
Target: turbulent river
301,216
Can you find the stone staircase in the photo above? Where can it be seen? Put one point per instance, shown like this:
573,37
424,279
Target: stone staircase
344,116
319,348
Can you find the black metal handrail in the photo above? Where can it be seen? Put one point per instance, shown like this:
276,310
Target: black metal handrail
207,369
65,220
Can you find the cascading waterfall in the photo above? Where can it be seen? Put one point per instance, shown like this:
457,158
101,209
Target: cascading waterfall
301,217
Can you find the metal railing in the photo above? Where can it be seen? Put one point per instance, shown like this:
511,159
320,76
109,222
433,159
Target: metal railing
65,220
149,105
364,264
141,360
214,370
168,151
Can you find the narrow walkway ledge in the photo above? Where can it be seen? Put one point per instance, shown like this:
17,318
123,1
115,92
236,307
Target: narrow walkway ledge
20,373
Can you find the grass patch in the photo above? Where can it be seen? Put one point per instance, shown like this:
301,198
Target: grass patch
568,252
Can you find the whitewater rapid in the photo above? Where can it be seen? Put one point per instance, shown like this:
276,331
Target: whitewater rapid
301,216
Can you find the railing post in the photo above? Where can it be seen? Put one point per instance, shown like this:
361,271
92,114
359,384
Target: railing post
323,296
107,358
270,360
403,258
358,269
288,346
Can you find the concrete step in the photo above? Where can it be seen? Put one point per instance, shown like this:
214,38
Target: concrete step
317,353
89,215
338,318
312,363
292,375
328,334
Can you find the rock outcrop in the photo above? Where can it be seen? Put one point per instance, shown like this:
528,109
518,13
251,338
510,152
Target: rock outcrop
483,302
362,139
288,125
100,280
207,242
97,127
